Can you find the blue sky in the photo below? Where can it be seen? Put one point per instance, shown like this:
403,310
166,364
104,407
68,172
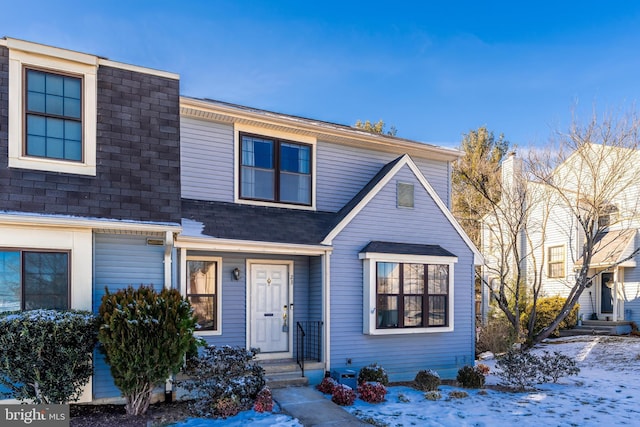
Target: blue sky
432,69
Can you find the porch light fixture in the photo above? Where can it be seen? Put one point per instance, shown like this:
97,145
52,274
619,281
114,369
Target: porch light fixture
236,273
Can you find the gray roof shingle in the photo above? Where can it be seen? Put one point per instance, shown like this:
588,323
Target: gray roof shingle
406,249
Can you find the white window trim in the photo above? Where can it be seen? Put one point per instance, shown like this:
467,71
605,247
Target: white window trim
369,291
271,133
183,286
24,54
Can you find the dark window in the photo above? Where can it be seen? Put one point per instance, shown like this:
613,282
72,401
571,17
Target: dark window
275,170
53,111
202,290
32,280
411,295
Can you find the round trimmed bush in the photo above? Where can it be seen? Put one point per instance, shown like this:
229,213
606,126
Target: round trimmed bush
327,385
373,373
470,377
343,395
372,392
427,380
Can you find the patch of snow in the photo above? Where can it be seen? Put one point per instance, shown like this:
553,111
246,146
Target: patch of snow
192,228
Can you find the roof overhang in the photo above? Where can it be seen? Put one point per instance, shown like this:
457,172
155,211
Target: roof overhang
611,249
247,246
325,131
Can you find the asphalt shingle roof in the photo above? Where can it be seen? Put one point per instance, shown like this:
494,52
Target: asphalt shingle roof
406,249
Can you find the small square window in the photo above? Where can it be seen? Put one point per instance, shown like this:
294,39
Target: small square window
405,195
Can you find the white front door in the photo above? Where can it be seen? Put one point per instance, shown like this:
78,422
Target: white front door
269,323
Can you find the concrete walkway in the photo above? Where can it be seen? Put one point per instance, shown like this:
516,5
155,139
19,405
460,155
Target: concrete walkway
311,408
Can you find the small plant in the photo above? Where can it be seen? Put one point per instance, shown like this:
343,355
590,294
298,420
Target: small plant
483,369
458,394
470,377
427,380
497,336
433,395
518,370
402,398
45,355
264,401
226,407
556,365
343,395
220,374
372,392
373,373
327,385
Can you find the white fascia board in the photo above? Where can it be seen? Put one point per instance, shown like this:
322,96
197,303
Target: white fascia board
229,245
33,219
417,259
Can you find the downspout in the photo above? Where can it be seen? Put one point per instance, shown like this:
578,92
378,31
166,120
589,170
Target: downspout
168,251
615,294
326,309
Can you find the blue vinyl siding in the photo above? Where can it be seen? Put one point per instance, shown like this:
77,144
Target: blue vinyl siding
344,170
401,355
120,261
234,294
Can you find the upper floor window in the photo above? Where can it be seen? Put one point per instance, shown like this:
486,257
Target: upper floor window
53,115
556,262
32,280
53,109
275,170
607,216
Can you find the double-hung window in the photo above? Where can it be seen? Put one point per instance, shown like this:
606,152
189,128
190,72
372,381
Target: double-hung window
53,115
556,262
411,295
33,280
203,281
275,170
407,288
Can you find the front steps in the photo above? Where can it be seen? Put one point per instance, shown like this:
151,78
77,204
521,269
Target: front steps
281,373
598,327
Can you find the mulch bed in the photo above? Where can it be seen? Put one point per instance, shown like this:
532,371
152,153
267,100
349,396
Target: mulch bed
159,414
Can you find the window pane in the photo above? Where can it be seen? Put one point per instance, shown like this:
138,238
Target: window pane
438,279
202,277
54,84
55,128
257,184
72,130
36,146
413,279
205,310
36,102
46,280
388,278
72,150
295,188
387,310
437,310
72,108
72,87
55,148
55,105
412,311
35,81
10,281
295,158
257,152
36,125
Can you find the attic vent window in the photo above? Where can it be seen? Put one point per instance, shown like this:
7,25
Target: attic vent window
155,242
405,195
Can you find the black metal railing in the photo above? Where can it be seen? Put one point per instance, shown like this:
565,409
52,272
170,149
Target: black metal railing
308,342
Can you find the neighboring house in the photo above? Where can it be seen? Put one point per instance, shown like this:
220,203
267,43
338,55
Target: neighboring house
551,244
272,225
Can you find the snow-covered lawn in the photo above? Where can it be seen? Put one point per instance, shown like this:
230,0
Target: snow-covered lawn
606,392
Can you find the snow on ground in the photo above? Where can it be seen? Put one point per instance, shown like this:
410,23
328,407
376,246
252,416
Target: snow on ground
605,392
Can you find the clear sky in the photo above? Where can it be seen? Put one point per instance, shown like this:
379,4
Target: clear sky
432,69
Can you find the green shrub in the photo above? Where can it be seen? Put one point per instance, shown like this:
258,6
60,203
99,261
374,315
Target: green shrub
427,380
547,309
518,370
555,365
45,355
145,336
221,379
470,377
373,373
